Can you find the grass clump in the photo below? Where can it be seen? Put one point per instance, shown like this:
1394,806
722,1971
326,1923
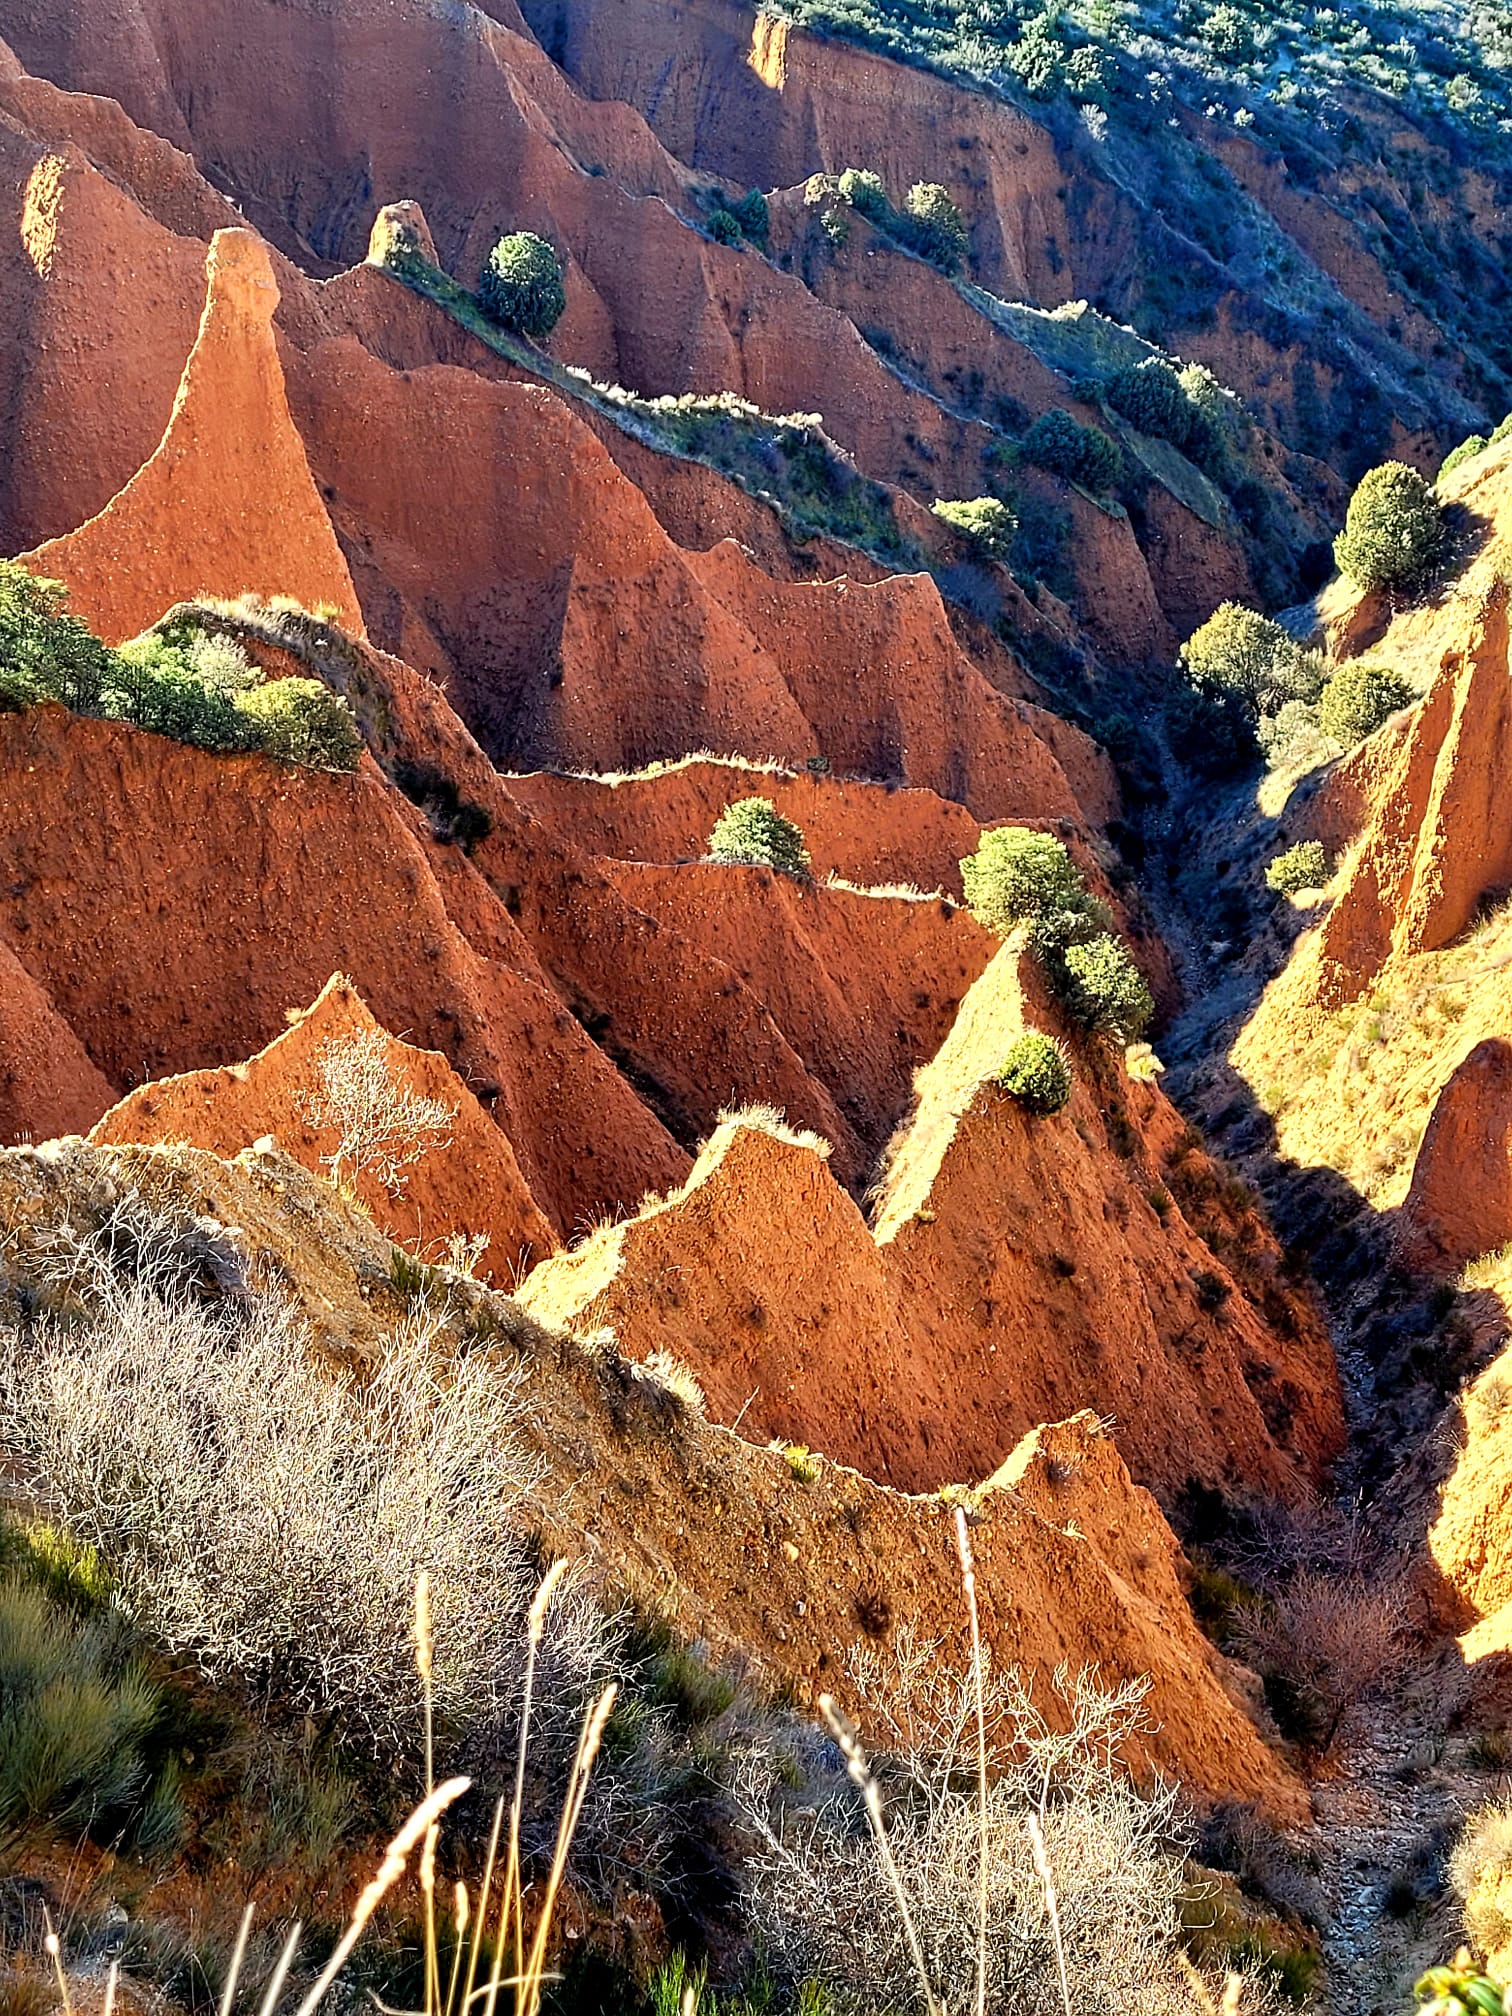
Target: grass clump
987,522
1393,531
522,288
77,1717
1036,1073
1479,1866
1304,866
754,832
1019,876
1359,699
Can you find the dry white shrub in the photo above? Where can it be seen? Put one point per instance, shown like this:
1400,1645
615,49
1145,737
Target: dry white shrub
382,1126
820,1903
271,1517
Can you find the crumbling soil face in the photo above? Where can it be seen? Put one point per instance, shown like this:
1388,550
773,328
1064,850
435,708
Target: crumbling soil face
224,896
230,465
1018,1268
463,1181
1074,1562
866,833
48,1083
1460,1201
1404,955
864,987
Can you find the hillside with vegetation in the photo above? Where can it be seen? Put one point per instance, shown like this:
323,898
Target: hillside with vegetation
755,1067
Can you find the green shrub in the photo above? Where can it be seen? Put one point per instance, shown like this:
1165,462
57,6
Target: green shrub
935,228
522,285
753,831
1468,449
1058,442
1036,1073
75,1717
753,216
1241,652
156,682
1151,397
1393,533
301,721
986,521
1104,989
724,228
1020,876
45,654
1304,866
1358,699
863,189
1501,430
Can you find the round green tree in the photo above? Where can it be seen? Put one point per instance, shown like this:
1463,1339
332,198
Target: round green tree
1036,1073
986,521
1393,532
1150,396
1358,699
1019,876
522,285
1058,442
753,831
724,228
46,654
1241,652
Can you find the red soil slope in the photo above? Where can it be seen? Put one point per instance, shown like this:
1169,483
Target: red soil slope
224,896
227,503
469,1183
1017,1269
48,1085
1460,1202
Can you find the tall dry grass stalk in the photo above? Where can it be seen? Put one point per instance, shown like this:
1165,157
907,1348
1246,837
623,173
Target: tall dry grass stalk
968,1583
496,1914
871,1798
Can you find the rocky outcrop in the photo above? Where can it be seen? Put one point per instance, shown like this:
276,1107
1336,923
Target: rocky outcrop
466,1182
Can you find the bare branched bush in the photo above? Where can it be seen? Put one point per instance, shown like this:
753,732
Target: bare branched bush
271,1518
382,1126
820,1900
1325,1644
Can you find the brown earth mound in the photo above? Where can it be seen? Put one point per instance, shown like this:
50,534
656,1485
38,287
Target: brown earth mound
468,1183
1018,1268
1074,1562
